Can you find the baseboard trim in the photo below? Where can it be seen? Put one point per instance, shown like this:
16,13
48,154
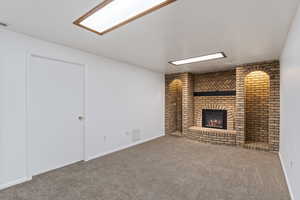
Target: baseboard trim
286,177
122,148
16,182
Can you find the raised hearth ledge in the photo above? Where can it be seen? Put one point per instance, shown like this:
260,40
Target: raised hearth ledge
212,130
213,136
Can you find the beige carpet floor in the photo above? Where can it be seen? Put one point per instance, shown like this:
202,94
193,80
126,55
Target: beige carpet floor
168,168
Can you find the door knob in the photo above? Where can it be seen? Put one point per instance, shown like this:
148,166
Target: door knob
80,117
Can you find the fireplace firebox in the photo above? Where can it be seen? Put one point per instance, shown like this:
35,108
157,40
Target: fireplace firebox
214,118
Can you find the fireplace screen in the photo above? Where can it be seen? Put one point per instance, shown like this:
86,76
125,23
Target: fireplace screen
214,118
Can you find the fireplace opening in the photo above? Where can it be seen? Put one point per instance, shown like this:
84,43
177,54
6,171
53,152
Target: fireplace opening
214,118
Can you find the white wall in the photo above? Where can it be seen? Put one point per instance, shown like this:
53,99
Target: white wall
290,108
120,98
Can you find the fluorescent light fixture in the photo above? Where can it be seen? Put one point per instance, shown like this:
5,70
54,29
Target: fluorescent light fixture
199,59
111,14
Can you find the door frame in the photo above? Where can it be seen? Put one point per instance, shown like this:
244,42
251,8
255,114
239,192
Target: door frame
52,58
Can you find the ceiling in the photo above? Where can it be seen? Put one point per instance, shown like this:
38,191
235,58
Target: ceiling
246,30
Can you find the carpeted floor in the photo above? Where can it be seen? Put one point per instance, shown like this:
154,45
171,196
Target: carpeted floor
168,168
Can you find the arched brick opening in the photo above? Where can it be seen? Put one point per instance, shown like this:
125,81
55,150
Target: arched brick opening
257,98
175,102
272,69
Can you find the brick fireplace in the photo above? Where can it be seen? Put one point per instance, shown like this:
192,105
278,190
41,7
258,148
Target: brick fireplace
216,119
239,107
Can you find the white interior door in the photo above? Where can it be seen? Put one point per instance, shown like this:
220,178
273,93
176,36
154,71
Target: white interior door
55,104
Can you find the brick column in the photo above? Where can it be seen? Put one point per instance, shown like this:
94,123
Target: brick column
187,102
240,106
274,106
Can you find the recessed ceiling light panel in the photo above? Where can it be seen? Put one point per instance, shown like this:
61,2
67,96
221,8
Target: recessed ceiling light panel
199,59
111,14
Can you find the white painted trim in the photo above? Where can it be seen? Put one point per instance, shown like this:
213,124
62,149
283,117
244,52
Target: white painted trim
57,167
27,145
286,177
164,105
16,182
84,110
37,55
122,148
28,57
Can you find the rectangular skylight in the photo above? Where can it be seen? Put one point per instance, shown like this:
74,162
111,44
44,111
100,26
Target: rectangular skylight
199,59
111,14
